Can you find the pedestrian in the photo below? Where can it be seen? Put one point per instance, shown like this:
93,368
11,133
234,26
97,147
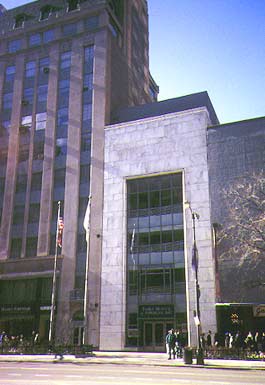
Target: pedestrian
2,341
171,343
209,340
179,343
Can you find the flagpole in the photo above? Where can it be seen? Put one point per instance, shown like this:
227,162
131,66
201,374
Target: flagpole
54,277
87,229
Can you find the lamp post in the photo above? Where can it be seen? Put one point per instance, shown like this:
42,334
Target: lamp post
195,261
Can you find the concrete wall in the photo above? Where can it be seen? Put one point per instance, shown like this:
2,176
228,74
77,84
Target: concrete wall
167,143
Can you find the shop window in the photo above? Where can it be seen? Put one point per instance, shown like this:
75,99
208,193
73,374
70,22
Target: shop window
143,200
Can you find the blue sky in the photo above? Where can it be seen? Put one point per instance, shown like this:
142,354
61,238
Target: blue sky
212,45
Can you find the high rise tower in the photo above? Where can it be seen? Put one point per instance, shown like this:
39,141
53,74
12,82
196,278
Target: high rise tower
65,66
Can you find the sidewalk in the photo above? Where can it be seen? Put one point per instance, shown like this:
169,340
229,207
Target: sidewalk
134,358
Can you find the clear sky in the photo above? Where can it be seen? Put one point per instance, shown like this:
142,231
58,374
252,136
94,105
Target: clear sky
212,45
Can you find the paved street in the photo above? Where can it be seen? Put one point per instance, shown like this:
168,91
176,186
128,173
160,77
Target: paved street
26,373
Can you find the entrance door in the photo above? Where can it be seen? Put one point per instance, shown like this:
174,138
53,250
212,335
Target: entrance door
155,334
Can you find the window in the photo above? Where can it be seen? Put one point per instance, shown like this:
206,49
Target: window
87,115
42,93
65,60
14,45
86,142
73,5
61,146
10,73
28,96
59,179
31,247
16,245
41,119
26,121
23,154
30,69
7,100
36,181
91,23
69,29
38,151
21,183
34,213
84,173
5,129
62,117
48,35
35,39
18,215
44,66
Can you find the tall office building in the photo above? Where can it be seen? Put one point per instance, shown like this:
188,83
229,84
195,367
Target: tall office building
65,67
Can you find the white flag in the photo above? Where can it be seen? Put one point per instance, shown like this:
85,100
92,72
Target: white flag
86,222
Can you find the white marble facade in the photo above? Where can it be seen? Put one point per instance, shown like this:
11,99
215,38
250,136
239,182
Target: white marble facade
153,146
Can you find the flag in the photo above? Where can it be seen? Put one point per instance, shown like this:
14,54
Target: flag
194,261
86,223
132,240
132,245
60,227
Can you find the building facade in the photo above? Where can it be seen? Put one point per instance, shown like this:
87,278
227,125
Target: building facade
65,67
79,119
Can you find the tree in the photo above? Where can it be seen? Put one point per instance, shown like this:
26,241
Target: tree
242,236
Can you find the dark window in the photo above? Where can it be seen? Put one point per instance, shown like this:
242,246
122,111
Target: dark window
69,29
91,23
31,247
34,213
84,174
81,243
36,181
18,215
59,178
38,151
16,245
21,184
23,154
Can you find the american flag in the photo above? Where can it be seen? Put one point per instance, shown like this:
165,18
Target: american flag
60,231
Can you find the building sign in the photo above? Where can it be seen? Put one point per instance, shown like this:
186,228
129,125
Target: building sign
15,309
259,311
156,311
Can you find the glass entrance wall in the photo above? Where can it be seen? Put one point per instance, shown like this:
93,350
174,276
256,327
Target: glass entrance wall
155,256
